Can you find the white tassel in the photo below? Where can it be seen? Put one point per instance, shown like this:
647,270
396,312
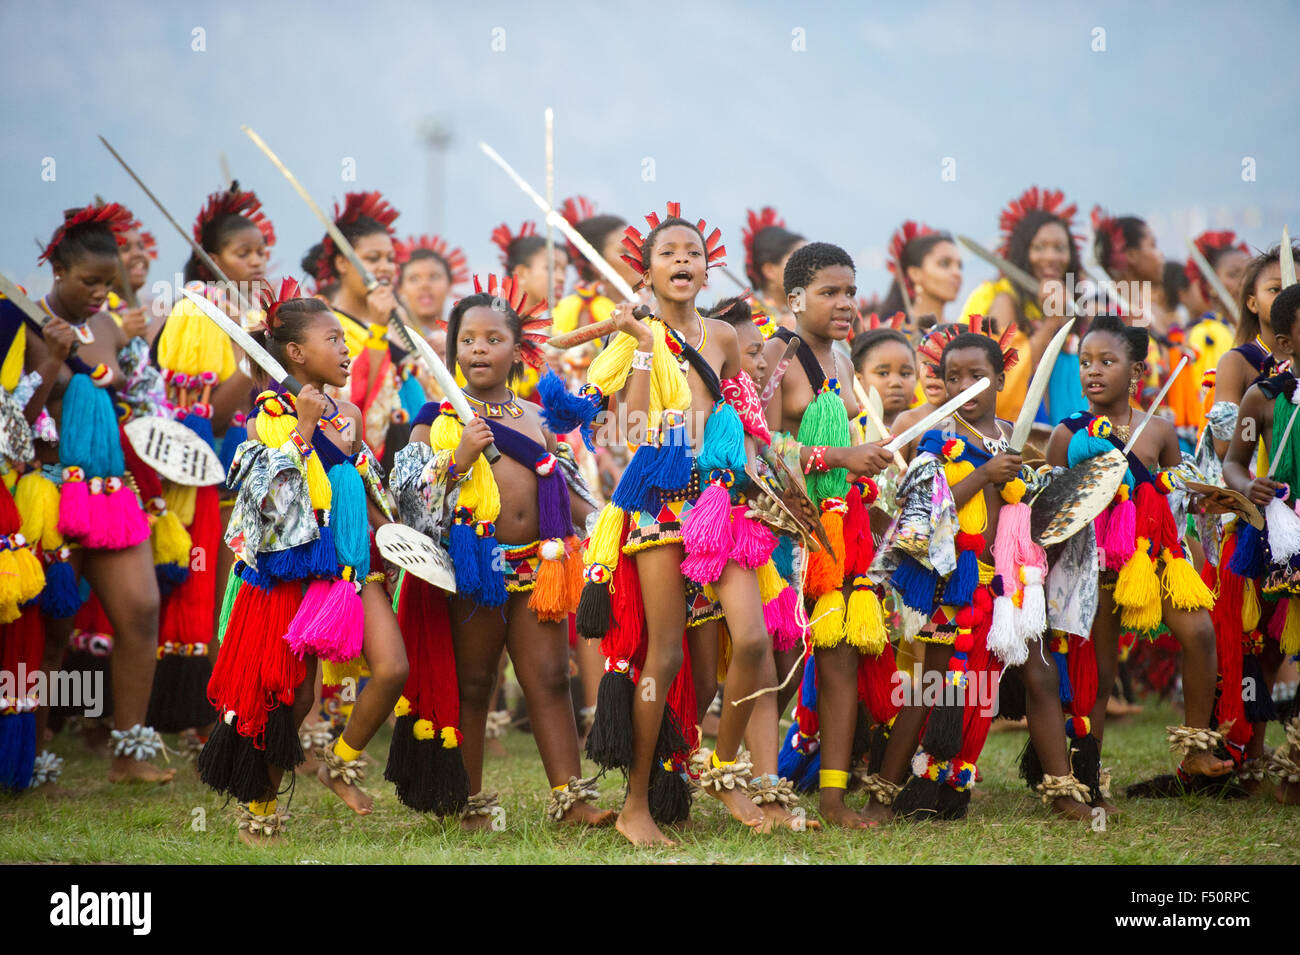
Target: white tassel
1003,640
1283,530
1032,620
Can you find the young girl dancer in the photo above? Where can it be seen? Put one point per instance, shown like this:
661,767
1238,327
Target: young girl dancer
1146,578
678,384
99,515
1037,236
956,508
304,586
518,569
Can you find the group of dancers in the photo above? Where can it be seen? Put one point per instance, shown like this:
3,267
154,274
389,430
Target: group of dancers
680,502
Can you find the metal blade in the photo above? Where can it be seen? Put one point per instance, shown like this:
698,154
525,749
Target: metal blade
902,288
1018,275
199,251
1155,404
872,405
554,218
28,307
245,341
1038,387
773,382
1212,278
1286,259
901,440
446,380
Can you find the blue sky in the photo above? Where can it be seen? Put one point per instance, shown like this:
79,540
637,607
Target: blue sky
846,136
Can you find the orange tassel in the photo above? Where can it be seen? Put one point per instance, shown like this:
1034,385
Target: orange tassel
826,573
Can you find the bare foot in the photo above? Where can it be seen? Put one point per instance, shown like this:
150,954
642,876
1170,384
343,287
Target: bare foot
95,737
585,814
476,823
1068,808
1288,794
127,770
356,800
739,804
496,748
1204,763
1118,707
776,816
639,829
1252,786
876,812
835,813
1112,811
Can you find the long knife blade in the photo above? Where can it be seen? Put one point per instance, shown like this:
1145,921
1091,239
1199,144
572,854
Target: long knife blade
902,439
871,411
1038,387
245,341
414,341
773,382
1155,404
28,307
1286,259
554,218
199,251
1212,278
1014,273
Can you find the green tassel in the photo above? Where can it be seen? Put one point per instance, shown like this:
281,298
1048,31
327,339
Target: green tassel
826,424
233,583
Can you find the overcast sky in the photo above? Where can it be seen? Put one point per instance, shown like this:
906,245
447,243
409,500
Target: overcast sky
842,115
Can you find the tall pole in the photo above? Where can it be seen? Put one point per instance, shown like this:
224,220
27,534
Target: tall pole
437,138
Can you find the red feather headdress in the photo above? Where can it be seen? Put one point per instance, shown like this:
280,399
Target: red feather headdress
146,238
1033,198
455,258
112,216
1207,243
577,209
908,231
234,201
931,349
271,302
535,329
871,321
356,205
502,238
1101,222
756,222
634,240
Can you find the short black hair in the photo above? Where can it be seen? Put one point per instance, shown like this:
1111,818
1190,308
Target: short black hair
806,261
648,246
1136,341
1282,313
82,240
315,262
972,340
734,311
863,342
513,322
521,249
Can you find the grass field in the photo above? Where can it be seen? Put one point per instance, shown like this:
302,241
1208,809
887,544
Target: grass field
86,820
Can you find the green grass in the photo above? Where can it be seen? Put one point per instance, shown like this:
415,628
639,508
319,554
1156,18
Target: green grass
86,820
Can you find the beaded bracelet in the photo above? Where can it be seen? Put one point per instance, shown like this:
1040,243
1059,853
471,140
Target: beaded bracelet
302,444
816,461
642,360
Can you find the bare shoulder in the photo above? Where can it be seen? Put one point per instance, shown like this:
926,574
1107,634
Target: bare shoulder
721,332
909,417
